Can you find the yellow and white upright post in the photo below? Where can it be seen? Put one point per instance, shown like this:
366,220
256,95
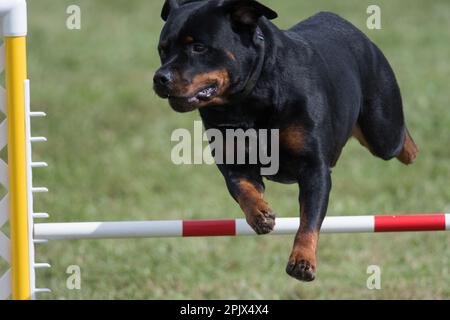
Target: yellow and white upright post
14,17
19,281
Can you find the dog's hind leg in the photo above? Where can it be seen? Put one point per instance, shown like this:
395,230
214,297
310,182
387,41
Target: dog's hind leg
408,151
381,123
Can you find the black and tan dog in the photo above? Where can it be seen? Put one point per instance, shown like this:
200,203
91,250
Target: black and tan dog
319,83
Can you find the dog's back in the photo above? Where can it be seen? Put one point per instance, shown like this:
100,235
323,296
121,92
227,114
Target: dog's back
360,79
342,47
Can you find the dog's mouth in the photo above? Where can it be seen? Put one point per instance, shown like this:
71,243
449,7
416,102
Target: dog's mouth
199,99
204,95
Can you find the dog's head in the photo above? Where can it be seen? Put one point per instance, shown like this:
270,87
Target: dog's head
207,50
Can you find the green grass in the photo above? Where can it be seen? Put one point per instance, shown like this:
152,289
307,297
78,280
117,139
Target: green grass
109,155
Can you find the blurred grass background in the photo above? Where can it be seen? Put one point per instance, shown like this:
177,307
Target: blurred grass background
109,154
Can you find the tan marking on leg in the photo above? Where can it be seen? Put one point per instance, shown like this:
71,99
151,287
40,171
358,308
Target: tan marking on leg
410,150
303,262
250,197
306,240
257,212
305,247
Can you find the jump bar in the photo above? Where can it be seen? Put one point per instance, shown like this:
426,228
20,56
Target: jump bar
235,227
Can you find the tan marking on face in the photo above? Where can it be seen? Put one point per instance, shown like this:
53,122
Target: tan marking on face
230,55
188,40
215,101
186,89
219,77
292,139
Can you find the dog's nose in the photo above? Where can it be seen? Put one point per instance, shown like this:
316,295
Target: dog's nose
163,78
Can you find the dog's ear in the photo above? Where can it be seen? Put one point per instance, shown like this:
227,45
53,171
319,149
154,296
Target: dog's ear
247,12
169,5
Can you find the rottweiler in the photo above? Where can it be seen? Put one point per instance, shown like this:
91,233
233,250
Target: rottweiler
319,83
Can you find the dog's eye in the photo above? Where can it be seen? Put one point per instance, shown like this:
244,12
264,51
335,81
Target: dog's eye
198,48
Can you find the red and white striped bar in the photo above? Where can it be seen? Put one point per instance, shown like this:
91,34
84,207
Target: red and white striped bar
238,227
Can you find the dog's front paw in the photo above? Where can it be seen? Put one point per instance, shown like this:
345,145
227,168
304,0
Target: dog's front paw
258,214
301,267
262,221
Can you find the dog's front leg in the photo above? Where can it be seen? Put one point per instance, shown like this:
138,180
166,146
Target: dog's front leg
315,186
248,190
